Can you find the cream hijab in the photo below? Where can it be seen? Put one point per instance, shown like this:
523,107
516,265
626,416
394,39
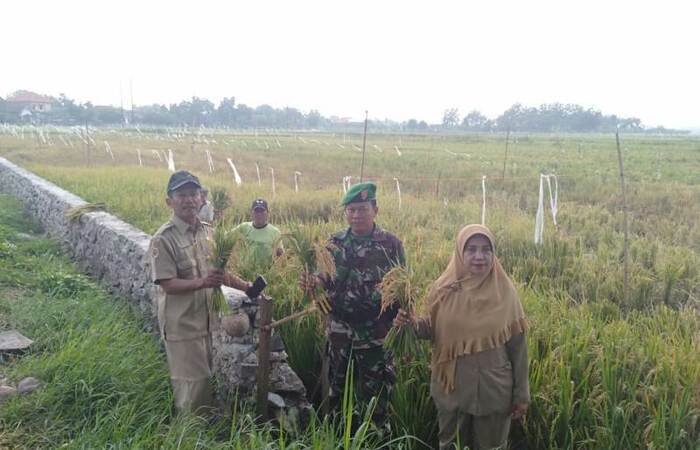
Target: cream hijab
471,314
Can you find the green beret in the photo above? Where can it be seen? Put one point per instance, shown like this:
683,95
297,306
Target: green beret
360,192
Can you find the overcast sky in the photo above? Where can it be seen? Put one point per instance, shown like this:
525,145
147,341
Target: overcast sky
397,59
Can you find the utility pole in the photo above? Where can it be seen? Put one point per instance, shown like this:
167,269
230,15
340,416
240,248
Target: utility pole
131,88
625,221
87,142
364,145
505,157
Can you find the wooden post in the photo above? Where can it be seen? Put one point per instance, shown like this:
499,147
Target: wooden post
325,382
625,221
263,375
437,185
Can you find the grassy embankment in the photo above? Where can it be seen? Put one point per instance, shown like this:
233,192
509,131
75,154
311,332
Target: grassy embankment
105,382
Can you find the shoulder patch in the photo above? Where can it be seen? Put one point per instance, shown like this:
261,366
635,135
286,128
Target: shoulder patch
167,225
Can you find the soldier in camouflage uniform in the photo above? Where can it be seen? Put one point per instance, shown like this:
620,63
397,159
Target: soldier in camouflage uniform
355,329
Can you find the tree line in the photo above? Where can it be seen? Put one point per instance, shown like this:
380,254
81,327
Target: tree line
196,112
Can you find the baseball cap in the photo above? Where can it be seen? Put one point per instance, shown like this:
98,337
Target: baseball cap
181,178
259,203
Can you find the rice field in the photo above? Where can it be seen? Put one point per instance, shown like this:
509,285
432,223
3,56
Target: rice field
606,371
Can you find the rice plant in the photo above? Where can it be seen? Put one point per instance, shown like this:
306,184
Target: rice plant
398,291
221,246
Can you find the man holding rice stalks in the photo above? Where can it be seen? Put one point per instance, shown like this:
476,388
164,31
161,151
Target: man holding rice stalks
180,254
356,326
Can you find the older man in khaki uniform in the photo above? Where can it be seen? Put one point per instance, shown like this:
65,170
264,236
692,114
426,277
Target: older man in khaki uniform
179,262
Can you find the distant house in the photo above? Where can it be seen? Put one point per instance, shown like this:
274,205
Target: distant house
27,103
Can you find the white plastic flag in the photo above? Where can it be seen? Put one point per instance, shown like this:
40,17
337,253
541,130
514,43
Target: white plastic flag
138,153
398,152
257,169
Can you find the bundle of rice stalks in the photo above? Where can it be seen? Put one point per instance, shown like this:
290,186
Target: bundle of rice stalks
314,258
222,245
74,214
396,288
220,200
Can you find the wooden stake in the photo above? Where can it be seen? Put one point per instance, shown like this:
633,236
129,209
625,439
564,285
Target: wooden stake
437,185
263,376
625,221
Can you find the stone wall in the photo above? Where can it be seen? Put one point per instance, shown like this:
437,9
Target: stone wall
117,254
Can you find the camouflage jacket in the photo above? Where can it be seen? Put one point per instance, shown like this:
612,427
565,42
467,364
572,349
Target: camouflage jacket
361,263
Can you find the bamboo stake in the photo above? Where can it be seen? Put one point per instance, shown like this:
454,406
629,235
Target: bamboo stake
625,220
293,316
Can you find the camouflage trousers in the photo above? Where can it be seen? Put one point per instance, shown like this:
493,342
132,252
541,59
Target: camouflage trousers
373,373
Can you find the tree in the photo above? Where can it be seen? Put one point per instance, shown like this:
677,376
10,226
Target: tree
313,119
226,112
475,121
450,118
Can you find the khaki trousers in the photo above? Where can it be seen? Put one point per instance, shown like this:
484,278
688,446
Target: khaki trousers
476,432
190,373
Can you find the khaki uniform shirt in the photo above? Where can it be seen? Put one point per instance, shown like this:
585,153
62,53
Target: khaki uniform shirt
179,250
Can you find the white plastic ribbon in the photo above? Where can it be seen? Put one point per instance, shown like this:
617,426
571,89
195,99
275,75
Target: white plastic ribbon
272,174
346,183
138,153
553,204
553,201
257,169
210,160
171,161
539,216
236,176
108,149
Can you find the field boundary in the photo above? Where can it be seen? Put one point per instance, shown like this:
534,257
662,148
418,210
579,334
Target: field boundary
116,253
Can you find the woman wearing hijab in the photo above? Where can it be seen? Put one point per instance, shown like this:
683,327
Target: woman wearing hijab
476,324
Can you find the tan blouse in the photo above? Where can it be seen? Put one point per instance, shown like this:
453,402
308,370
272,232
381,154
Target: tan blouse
486,382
